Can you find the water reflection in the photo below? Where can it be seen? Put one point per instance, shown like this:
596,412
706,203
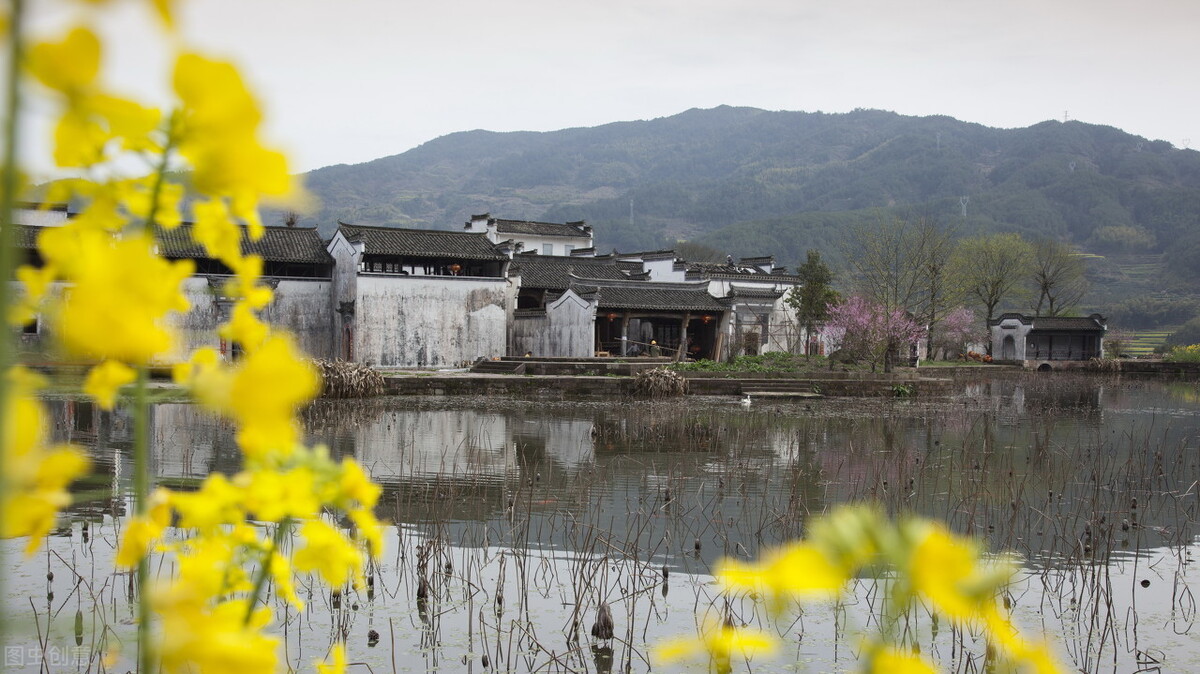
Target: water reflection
551,508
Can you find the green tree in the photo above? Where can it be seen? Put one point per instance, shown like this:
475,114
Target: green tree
990,267
810,301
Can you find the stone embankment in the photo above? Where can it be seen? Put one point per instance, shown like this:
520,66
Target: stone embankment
614,377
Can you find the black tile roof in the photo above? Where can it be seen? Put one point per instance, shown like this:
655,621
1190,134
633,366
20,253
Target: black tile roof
699,270
554,273
653,296
571,229
278,244
1094,322
423,243
745,291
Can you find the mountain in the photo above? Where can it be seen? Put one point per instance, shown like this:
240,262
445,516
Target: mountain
750,181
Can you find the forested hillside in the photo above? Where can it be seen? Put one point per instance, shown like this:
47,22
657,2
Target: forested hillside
749,182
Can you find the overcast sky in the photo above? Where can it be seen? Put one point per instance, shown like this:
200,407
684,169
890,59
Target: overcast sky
347,81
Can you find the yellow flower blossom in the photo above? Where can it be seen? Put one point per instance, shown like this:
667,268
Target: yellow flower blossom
244,328
798,569
355,486
891,661
245,283
35,283
70,66
199,638
36,476
217,502
948,571
281,572
220,123
272,495
1014,647
262,392
119,284
720,643
335,662
138,198
214,230
104,380
369,530
141,531
210,564
327,552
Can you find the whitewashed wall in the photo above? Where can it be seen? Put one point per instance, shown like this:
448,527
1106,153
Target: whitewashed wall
410,321
301,306
566,329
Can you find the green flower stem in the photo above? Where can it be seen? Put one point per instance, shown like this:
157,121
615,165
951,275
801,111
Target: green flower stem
141,495
8,200
264,571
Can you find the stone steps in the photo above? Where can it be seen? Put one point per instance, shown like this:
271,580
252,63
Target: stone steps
498,367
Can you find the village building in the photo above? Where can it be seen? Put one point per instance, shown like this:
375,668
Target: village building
527,236
295,266
418,297
753,291
389,297
1040,340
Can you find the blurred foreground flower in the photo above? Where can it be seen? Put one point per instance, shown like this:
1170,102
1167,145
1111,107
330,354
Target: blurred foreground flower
923,564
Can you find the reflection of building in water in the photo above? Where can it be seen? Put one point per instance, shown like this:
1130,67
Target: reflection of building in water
185,441
411,443
564,441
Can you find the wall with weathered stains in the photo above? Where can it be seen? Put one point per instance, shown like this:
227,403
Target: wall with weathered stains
301,306
564,330
447,321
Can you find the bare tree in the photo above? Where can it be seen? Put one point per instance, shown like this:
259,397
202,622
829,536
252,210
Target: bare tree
990,267
1057,277
904,265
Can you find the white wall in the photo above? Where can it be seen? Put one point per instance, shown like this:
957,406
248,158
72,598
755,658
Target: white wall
301,306
566,329
444,321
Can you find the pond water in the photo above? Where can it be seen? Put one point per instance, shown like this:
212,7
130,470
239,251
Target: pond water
525,514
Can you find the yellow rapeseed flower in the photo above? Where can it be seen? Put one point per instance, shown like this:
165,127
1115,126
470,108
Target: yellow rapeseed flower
216,503
281,573
335,662
219,137
36,476
35,283
272,495
119,284
141,531
891,661
949,571
369,530
720,643
70,66
262,393
104,380
329,553
201,638
798,569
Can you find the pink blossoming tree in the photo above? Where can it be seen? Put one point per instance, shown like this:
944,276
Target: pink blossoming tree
958,329
867,331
